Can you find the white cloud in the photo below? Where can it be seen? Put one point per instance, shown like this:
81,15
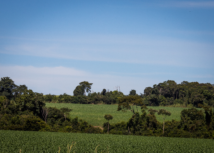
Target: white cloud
193,4
37,71
127,49
59,80
200,76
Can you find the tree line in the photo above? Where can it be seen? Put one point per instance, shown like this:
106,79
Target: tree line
23,109
163,94
194,123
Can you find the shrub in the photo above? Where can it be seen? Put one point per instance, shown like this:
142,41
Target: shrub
34,124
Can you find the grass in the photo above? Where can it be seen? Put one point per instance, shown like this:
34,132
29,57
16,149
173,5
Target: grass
50,142
94,114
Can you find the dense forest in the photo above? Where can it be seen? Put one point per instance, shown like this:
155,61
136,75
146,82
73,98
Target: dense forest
166,93
23,109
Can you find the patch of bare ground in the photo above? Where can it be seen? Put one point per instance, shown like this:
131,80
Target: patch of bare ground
99,127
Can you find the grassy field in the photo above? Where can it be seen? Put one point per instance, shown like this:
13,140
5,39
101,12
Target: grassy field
49,142
94,114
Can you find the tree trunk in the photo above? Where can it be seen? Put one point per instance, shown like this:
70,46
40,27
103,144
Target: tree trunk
108,127
163,125
65,116
128,130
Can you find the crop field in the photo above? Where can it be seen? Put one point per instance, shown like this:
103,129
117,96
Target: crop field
49,142
94,114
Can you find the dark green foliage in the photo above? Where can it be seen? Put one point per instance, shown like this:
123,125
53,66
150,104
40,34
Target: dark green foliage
147,91
164,113
186,93
76,125
65,98
30,101
132,92
19,90
128,102
152,122
80,99
22,122
50,98
64,109
78,91
86,86
66,112
55,116
133,124
192,119
104,92
108,117
6,87
22,109
34,124
82,88
118,128
108,98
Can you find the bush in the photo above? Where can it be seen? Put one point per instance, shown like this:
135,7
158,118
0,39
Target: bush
92,129
34,124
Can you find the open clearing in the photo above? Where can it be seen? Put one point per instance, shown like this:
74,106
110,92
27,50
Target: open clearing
94,114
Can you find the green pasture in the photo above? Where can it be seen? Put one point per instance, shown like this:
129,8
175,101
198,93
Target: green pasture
49,142
94,114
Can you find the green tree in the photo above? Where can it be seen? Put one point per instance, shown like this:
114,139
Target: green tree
148,91
19,90
65,111
151,119
104,92
192,119
86,86
164,113
132,92
108,117
6,87
30,101
78,91
128,102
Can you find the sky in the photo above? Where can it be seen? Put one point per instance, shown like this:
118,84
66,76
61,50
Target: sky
51,46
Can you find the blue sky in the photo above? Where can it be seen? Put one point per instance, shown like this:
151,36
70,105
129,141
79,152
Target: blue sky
51,46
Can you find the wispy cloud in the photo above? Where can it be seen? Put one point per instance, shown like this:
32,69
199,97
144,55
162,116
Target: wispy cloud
192,4
59,80
200,76
140,50
37,71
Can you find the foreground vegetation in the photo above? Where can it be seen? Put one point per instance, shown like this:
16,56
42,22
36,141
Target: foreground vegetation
49,142
94,114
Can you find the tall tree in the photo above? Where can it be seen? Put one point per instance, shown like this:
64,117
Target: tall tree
148,91
78,91
132,92
86,86
128,102
6,87
104,92
65,111
108,117
164,113
19,90
31,101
